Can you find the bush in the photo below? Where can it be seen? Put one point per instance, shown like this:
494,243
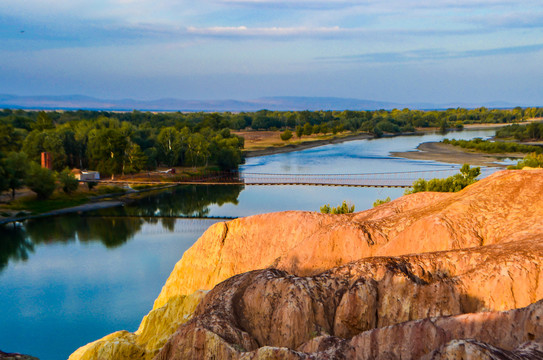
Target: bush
532,160
344,208
453,183
493,146
91,184
286,135
68,181
41,181
110,189
381,201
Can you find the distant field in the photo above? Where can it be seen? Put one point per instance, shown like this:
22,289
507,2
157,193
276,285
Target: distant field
259,140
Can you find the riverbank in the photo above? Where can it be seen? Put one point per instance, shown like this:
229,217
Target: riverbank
94,203
437,151
291,147
262,143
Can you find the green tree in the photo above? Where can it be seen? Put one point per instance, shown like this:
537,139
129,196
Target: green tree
381,201
10,138
170,146
16,167
344,208
299,131
197,149
286,135
45,141
135,160
308,129
43,122
67,180
106,150
532,160
40,180
4,184
457,182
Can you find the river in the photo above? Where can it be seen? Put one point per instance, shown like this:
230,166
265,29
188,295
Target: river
69,280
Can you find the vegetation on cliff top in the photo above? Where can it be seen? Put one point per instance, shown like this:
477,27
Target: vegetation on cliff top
344,208
457,182
381,201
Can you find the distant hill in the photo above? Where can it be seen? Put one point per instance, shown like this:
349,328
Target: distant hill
294,103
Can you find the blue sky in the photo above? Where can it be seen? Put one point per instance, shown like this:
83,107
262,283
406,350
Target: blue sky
391,50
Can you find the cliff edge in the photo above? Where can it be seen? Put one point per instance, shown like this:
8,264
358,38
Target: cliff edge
332,285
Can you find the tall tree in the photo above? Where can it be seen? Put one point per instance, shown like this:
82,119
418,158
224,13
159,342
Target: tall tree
16,168
170,146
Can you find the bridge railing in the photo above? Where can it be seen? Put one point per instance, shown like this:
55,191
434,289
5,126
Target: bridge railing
383,179
403,179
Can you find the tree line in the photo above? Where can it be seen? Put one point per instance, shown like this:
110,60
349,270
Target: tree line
494,146
111,143
532,131
130,142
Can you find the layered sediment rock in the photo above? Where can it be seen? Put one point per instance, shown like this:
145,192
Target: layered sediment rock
503,207
337,286
154,331
355,311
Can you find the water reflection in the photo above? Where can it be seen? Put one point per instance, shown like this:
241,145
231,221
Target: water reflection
114,227
14,245
190,201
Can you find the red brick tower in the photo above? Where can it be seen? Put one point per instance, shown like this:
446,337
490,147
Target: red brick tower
46,160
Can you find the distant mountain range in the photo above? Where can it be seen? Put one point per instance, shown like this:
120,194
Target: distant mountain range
294,103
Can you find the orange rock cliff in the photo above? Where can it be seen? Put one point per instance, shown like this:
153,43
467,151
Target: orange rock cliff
429,275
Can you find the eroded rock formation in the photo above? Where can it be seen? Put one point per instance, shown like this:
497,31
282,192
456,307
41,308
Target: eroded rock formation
368,309
503,207
341,286
15,356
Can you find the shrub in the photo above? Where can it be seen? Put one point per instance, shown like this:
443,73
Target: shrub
68,181
532,160
344,208
381,201
453,183
286,135
40,180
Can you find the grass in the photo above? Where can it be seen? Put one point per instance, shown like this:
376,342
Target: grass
109,189
56,201
144,186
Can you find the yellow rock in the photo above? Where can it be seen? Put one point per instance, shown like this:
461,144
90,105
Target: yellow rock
155,329
505,207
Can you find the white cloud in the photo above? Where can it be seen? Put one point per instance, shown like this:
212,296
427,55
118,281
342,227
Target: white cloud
270,31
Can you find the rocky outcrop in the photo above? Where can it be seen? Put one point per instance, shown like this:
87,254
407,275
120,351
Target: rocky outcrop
341,286
14,356
504,207
155,329
368,309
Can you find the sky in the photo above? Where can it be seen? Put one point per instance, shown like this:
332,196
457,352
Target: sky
389,50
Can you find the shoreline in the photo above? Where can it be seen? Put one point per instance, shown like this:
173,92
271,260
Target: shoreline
447,153
80,208
308,144
426,151
272,150
96,203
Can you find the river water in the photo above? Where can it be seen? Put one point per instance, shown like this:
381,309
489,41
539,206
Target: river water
69,280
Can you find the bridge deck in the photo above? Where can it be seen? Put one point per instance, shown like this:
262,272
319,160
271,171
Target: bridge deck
384,180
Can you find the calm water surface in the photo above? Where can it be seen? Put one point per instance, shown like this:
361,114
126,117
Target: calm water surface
69,280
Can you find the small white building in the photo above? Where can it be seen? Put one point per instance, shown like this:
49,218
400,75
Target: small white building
86,175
